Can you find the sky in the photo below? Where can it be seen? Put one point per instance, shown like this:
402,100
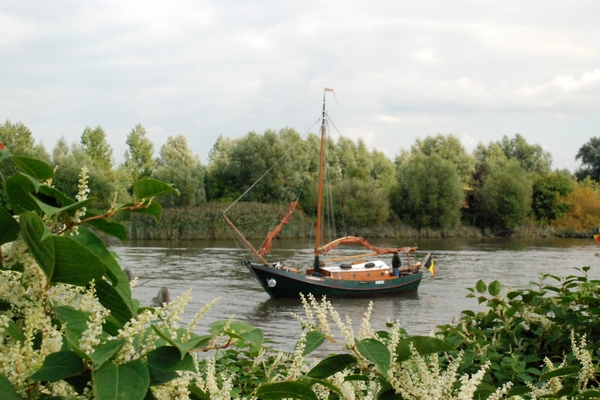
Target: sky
401,70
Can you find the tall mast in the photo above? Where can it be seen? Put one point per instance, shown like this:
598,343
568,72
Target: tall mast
320,189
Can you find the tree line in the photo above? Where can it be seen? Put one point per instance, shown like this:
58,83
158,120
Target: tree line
436,184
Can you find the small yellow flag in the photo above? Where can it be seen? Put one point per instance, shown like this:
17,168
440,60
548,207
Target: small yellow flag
432,268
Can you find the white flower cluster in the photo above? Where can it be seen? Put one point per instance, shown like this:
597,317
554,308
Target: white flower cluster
81,195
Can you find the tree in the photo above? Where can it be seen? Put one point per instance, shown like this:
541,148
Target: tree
589,154
359,203
18,139
429,193
180,166
549,195
449,148
68,163
532,158
139,162
583,213
95,145
504,198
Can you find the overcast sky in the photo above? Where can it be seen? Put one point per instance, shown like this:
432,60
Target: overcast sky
401,70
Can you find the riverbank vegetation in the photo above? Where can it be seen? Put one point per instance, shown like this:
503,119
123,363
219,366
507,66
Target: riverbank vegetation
70,328
435,188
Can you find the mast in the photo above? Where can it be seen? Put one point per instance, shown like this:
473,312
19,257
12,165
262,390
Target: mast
320,189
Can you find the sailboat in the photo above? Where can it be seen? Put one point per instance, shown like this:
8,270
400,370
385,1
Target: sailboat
360,275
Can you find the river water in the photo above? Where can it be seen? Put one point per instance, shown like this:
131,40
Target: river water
212,269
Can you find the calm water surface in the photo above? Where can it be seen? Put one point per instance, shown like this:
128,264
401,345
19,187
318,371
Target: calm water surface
212,269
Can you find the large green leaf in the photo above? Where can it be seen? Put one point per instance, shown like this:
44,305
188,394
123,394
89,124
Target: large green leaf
331,365
154,209
111,300
59,365
564,371
168,358
51,210
75,323
376,352
10,227
424,345
113,270
18,189
314,339
121,382
494,288
148,188
108,226
104,352
32,231
285,390
480,286
74,263
7,389
36,168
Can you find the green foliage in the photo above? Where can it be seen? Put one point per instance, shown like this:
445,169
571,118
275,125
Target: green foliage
97,148
589,154
504,199
449,148
179,166
359,203
518,330
549,194
532,158
429,193
139,162
68,163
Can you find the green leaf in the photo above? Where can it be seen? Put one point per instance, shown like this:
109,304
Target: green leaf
376,352
283,390
154,209
104,352
15,332
255,337
6,388
51,211
32,231
111,300
10,227
36,168
193,342
160,376
494,288
196,393
113,270
75,322
314,339
148,188
59,365
168,358
564,371
311,381
331,365
480,286
18,189
108,226
423,345
74,263
121,382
